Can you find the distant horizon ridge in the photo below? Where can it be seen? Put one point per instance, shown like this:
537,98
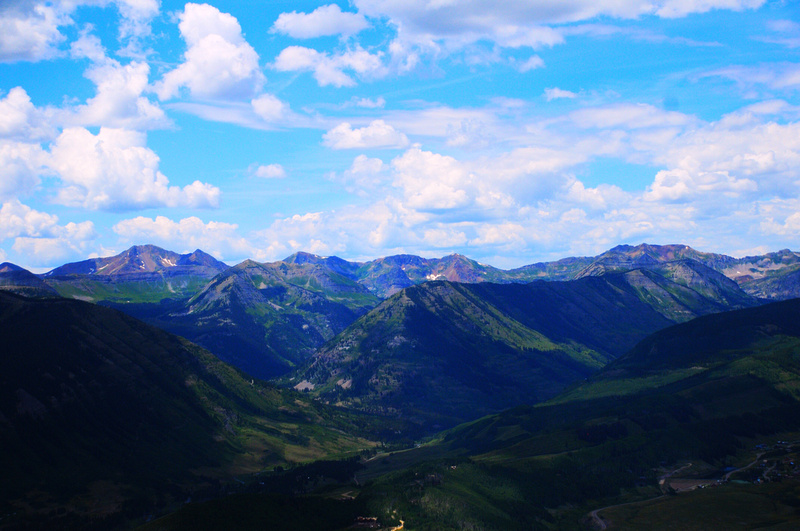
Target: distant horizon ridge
623,246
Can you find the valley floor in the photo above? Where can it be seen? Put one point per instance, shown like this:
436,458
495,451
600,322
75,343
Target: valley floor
763,493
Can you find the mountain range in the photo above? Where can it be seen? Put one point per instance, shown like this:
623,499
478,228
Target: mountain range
763,276
443,353
709,402
269,318
143,273
563,387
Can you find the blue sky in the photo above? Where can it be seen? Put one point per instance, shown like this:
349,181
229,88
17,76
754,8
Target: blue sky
509,133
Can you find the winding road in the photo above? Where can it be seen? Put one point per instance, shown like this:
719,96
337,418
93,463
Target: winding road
601,524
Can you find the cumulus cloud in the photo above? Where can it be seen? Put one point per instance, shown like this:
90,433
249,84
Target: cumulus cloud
29,31
430,181
426,28
700,167
217,238
20,166
598,198
780,217
269,171
20,120
681,185
136,17
38,235
323,21
378,134
470,132
218,63
114,170
729,177
740,148
269,107
17,219
119,101
532,63
329,69
364,176
87,46
380,226
445,237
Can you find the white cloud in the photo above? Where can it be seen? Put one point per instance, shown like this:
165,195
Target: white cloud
471,132
20,166
430,181
532,63
269,107
378,134
39,237
555,93
29,31
219,63
740,149
368,103
330,69
217,238
436,28
681,8
379,227
119,102
630,116
20,120
114,170
783,76
598,30
680,185
599,198
265,112
446,237
323,21
504,234
780,217
448,122
788,33
736,176
365,165
269,171
87,46
447,16
433,29
136,17
365,176
17,220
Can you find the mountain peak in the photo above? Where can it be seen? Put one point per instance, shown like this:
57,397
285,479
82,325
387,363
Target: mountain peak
7,267
248,264
16,279
302,257
140,259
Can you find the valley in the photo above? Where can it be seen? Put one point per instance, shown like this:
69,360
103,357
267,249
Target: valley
413,393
